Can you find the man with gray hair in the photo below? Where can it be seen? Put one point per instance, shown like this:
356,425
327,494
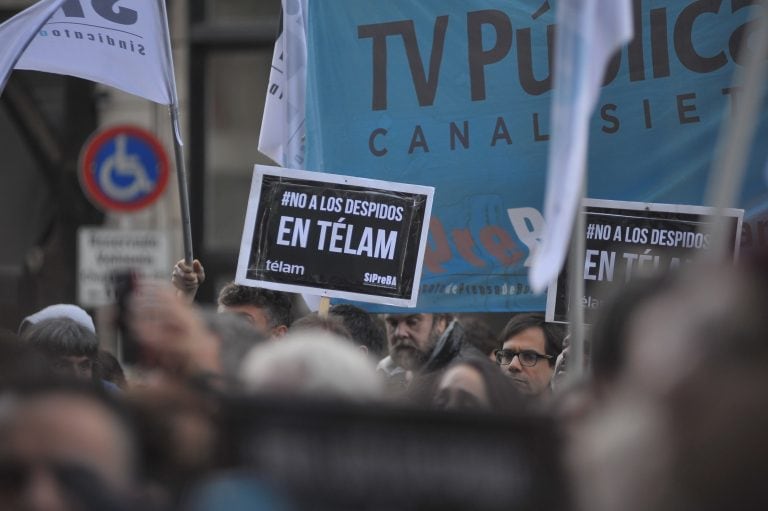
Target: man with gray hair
312,363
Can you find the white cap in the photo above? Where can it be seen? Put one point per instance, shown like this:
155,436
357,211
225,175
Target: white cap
60,310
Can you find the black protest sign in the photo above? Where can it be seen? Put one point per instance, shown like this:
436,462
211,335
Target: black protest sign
627,239
347,456
336,236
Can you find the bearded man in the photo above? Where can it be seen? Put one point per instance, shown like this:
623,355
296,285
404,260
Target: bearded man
421,343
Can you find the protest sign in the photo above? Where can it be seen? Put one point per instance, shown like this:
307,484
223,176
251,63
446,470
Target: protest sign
629,239
334,236
345,456
457,94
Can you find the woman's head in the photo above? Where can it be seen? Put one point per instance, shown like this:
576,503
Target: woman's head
475,384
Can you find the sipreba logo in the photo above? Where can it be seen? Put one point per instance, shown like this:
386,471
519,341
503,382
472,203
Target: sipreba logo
374,279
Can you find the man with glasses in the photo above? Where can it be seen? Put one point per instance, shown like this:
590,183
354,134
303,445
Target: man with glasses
529,349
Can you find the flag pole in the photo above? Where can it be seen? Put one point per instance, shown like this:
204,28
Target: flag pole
178,144
737,134
181,175
576,365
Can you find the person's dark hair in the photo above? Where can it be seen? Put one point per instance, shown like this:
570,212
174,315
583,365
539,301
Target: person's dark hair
479,334
8,336
108,368
20,363
366,329
553,333
236,336
276,304
502,394
62,337
330,324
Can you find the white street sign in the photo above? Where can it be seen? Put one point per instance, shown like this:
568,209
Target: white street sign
101,252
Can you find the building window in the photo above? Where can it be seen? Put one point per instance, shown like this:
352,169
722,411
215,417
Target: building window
231,44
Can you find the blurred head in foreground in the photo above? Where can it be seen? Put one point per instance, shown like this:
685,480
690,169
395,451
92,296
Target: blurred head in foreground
684,427
64,448
311,363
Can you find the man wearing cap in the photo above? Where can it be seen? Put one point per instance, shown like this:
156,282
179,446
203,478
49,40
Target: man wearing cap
60,310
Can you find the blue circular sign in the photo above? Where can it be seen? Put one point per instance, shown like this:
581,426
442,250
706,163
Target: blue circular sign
124,168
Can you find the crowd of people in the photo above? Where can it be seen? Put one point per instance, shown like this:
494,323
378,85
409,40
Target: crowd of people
670,413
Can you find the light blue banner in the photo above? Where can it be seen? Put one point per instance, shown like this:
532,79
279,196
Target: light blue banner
455,94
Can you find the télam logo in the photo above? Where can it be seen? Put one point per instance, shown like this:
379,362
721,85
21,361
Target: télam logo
283,267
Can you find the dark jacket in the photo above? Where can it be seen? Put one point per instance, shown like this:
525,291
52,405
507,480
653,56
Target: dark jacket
451,346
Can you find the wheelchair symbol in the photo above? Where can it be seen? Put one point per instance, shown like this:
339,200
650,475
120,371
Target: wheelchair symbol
124,164
124,168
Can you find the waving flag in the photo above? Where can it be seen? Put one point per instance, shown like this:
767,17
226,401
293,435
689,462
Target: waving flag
588,33
282,127
283,130
126,47
17,32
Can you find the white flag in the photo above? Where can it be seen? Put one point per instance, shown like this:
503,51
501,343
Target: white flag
17,32
282,126
283,133
126,46
588,33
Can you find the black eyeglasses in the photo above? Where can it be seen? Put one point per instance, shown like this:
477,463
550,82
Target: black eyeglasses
527,358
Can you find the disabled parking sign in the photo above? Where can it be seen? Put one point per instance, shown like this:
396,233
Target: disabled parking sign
123,168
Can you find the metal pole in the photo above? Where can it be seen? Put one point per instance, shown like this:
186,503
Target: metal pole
576,355
178,145
737,133
181,174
